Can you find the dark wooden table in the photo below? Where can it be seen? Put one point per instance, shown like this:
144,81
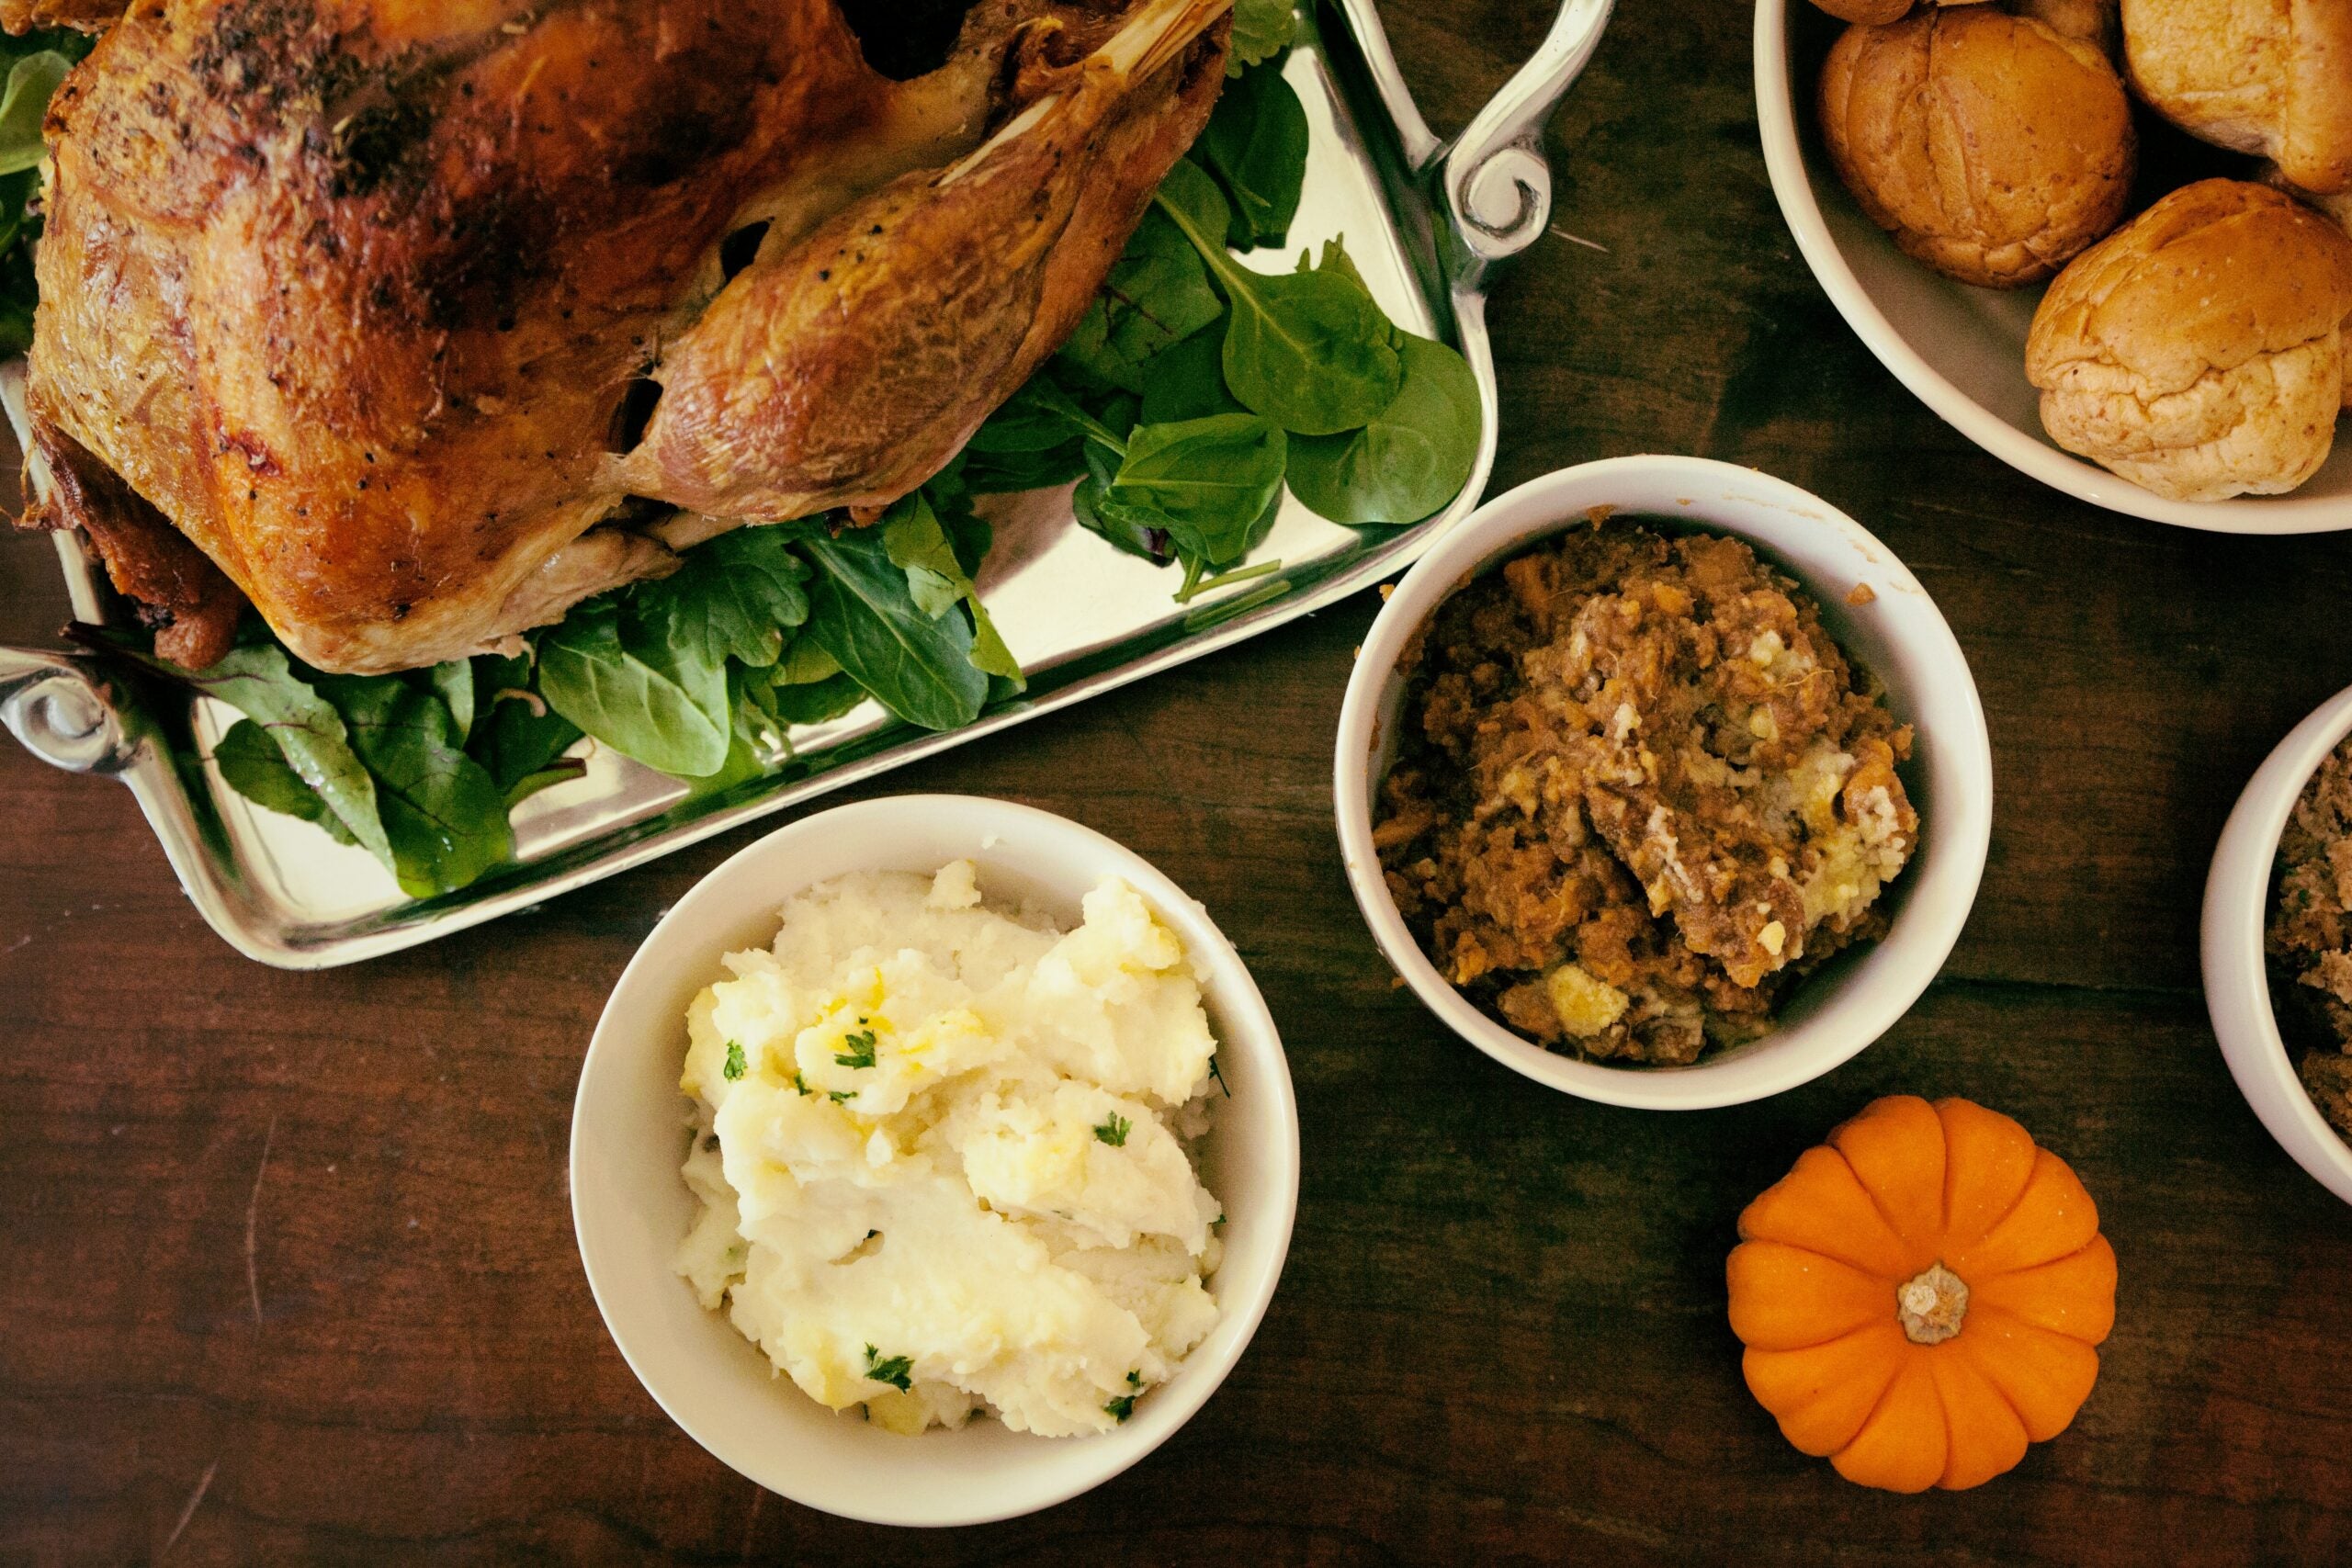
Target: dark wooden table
289,1270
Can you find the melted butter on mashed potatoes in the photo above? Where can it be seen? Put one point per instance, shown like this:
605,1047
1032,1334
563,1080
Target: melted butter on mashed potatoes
941,1151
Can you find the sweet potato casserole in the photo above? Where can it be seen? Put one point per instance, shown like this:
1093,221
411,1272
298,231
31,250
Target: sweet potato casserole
1639,791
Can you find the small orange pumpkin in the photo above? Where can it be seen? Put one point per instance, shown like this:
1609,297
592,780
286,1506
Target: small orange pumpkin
1920,1296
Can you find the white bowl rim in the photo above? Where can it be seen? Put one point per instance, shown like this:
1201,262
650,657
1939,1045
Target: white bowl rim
1792,186
1223,974
2237,980
1962,824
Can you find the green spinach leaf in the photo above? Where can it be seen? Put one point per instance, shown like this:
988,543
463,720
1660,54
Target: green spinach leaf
251,764
1410,460
734,596
861,612
1158,294
1188,381
1211,478
23,103
1310,350
1256,146
258,682
918,544
444,817
590,676
454,682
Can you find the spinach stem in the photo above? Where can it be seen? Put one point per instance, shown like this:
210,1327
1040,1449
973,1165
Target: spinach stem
1224,610
1192,584
1195,585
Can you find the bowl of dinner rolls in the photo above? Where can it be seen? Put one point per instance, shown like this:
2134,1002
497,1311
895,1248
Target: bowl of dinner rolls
2109,240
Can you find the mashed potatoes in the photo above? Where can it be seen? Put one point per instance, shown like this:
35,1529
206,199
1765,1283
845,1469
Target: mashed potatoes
941,1153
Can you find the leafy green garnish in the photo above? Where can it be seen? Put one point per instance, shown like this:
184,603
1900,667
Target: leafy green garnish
454,683
1411,460
251,764
259,682
445,819
1206,481
735,1066
37,62
840,1095
896,1371
734,597
861,1050
1124,1405
917,543
863,612
1157,295
1261,29
1114,1132
1256,146
1309,349
23,103
675,721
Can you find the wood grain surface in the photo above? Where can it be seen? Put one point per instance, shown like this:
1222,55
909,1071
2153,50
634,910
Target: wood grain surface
286,1261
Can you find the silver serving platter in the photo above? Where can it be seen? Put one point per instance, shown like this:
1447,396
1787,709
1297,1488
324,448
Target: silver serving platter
1425,220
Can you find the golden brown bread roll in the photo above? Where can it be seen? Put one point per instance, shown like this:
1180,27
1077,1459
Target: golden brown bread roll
1876,12
2199,351
2093,21
1989,146
2336,205
2268,77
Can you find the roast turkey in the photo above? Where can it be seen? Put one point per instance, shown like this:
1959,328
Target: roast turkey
413,322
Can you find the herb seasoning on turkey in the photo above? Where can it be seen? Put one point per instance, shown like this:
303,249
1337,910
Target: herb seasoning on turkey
1638,793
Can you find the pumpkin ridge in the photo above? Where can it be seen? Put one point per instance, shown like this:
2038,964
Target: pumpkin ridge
1893,1376
1997,1221
1990,1382
1880,1209
2005,1315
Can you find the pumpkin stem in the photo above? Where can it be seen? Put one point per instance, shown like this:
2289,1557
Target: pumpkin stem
1931,1305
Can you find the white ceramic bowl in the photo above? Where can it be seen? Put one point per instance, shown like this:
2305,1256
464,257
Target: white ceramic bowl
1899,636
2237,990
1961,349
630,1207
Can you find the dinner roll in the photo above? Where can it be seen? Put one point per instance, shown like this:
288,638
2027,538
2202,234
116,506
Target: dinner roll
2093,21
2336,205
2268,77
2199,351
1876,12
1992,148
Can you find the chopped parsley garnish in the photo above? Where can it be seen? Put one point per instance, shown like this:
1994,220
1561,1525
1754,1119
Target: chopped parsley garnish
896,1371
1114,1131
838,1095
1123,1406
1218,1072
736,1067
800,1084
860,1049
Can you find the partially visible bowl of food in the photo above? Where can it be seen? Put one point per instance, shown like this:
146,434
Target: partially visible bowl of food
1663,782
935,1160
2278,943
1960,179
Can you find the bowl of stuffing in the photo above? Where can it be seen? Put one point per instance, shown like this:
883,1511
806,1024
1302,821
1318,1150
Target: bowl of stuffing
935,1160
1662,781
2278,943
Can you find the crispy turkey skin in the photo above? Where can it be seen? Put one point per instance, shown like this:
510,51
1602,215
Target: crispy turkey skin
391,306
